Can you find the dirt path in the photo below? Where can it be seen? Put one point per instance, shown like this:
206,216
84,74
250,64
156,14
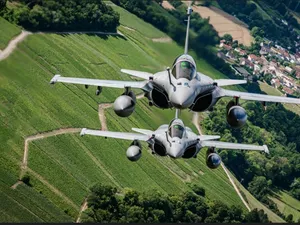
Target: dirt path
101,114
162,39
41,136
128,28
167,5
16,184
13,44
235,187
83,207
196,122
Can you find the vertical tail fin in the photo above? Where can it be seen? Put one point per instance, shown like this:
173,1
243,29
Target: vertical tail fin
189,12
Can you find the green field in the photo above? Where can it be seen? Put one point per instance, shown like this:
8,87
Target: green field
254,203
8,31
62,168
287,204
273,91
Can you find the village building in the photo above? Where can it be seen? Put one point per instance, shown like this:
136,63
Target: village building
288,90
246,62
275,83
227,47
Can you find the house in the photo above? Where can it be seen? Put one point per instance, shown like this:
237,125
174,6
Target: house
274,63
240,51
256,68
255,59
227,47
288,90
246,62
287,81
288,69
264,50
275,83
242,72
275,50
230,55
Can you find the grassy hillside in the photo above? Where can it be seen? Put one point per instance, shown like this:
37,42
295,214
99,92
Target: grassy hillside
254,203
273,91
62,168
287,204
8,31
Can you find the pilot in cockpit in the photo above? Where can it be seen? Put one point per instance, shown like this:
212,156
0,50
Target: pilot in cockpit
184,69
176,130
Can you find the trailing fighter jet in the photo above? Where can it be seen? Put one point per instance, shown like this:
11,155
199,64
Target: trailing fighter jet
174,140
181,87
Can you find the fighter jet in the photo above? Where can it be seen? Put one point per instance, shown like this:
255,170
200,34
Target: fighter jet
174,140
180,87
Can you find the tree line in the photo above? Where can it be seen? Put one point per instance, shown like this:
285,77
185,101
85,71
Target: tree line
272,27
262,174
61,15
107,205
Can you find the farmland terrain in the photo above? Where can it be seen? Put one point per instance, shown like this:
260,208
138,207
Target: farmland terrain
61,168
224,23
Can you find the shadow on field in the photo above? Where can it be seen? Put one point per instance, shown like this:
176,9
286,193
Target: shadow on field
101,35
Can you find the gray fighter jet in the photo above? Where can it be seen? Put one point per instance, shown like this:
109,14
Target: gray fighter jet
174,140
181,87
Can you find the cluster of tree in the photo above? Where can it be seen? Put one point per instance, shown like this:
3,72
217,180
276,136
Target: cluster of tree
280,169
105,204
62,15
273,28
203,38
2,4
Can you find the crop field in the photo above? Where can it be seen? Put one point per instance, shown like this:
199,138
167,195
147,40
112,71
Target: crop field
63,167
8,31
225,24
136,24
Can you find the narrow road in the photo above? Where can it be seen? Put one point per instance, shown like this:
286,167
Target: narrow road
235,187
196,122
41,136
51,133
197,125
16,184
83,207
13,44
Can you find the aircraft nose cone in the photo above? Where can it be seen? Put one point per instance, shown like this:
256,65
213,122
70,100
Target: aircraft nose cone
182,98
175,152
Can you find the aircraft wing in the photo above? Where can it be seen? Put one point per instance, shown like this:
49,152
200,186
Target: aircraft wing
227,82
96,82
259,97
118,135
208,137
228,145
140,74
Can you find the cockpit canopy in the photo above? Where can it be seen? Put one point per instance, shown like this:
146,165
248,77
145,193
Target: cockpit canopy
184,69
176,130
